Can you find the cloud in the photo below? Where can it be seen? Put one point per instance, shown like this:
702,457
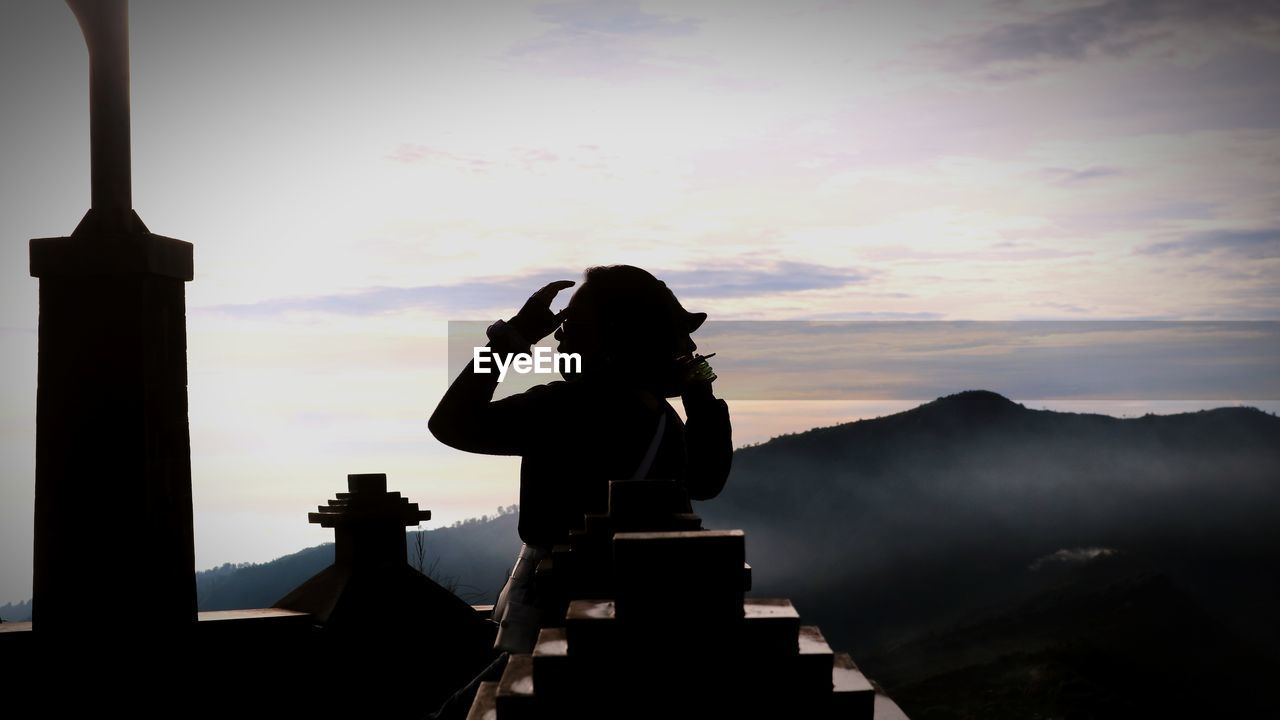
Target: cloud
613,17
602,39
525,158
901,358
410,153
1234,88
1005,251
1069,308
1252,244
1072,556
724,281
748,281
1069,176
1112,27
459,298
878,315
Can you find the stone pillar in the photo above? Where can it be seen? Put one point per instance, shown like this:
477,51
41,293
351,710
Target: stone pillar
113,526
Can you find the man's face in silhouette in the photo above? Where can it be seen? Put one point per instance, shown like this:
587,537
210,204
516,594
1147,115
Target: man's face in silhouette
579,332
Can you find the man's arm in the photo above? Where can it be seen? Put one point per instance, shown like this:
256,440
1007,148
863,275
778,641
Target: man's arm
464,419
467,418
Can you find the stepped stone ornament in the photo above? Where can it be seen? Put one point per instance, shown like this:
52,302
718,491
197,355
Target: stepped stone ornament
651,620
384,623
371,583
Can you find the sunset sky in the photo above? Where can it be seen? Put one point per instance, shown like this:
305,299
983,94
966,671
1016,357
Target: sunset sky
354,175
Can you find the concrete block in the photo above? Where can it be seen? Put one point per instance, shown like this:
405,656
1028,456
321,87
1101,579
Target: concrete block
852,695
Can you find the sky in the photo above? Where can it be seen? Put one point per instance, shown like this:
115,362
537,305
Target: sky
354,176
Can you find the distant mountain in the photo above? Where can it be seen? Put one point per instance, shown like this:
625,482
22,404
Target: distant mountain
473,558
886,530
15,612
1107,637
982,559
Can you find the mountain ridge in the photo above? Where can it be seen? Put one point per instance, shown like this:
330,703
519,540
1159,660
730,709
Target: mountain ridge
947,519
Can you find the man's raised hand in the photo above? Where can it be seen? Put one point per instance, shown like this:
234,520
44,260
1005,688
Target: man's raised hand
535,319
